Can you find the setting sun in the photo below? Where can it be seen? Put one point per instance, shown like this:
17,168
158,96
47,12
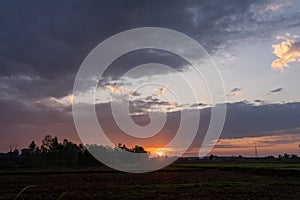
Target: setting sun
160,153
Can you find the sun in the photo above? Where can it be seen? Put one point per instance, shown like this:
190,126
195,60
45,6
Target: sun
160,153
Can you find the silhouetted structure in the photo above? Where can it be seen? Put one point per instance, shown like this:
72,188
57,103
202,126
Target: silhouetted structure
256,153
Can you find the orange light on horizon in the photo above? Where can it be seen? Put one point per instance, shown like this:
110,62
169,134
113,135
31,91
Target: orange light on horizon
160,153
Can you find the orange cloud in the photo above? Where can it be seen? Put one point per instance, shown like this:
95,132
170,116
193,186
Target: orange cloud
287,51
262,141
71,98
115,89
161,91
266,145
67,100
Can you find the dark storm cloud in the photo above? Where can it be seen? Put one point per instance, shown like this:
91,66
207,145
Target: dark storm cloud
16,113
246,120
139,57
276,90
29,88
50,39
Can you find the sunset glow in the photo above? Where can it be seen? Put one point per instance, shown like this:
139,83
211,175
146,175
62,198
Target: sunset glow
160,153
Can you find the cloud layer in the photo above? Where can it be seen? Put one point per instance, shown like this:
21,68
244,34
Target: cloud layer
27,122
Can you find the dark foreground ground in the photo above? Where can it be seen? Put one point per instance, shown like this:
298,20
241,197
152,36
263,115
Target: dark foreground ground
212,180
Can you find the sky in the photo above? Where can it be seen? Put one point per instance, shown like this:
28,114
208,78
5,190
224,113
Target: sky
254,44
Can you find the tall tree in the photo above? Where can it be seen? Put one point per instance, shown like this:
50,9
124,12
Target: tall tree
32,147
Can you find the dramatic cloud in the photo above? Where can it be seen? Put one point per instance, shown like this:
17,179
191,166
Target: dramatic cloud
58,35
287,51
247,120
135,58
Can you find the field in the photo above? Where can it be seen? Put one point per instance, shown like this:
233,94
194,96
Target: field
205,180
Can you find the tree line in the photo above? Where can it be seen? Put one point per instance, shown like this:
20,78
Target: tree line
51,152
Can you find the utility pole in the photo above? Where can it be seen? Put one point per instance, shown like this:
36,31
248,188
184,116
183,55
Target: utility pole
256,153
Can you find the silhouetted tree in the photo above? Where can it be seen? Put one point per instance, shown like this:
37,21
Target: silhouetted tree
294,156
32,147
54,145
139,149
51,152
69,153
46,144
286,156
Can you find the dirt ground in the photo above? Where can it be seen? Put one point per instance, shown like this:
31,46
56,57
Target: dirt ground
181,183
